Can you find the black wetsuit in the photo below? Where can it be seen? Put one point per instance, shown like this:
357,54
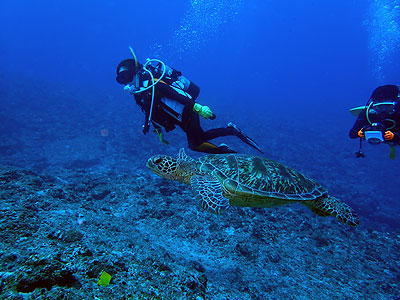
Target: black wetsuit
163,116
381,94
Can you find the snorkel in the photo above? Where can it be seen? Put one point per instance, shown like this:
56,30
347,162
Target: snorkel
134,57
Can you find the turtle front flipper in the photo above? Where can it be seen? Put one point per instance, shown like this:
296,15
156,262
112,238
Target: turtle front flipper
330,206
208,191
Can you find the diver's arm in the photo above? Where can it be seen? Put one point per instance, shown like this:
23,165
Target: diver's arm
145,106
360,123
146,124
396,138
190,104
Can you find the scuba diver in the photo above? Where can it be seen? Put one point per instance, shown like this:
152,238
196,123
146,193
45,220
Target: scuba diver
168,100
379,120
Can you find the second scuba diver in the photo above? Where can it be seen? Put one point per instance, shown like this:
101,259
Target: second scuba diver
379,120
168,100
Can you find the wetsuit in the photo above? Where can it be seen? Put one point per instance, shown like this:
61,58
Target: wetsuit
388,118
167,116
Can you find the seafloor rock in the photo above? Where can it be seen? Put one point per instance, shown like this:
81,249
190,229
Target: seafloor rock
83,163
56,238
45,274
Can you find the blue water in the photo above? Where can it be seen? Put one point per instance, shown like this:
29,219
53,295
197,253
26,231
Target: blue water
262,64
285,71
309,46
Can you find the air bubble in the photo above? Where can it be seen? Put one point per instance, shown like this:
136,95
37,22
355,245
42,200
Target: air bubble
202,22
384,34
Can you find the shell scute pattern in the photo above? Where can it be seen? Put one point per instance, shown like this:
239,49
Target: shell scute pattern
262,177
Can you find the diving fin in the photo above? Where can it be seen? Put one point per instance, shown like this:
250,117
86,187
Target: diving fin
392,152
244,137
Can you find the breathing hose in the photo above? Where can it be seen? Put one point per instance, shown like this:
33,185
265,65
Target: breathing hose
148,62
369,121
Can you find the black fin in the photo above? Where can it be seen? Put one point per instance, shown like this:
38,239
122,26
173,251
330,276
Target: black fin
245,138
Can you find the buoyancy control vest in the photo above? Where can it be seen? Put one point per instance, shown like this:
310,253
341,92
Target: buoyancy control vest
180,84
177,81
163,74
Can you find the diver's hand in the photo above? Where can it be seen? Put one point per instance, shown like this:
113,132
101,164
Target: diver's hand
145,128
388,135
203,111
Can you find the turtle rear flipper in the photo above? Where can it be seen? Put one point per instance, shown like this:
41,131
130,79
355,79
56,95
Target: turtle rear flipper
330,206
208,192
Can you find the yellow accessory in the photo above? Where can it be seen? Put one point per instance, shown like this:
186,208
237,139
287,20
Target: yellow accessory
388,136
205,146
392,152
203,110
134,57
105,279
160,136
361,133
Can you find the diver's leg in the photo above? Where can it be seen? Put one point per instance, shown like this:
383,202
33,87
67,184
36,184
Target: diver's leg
208,147
218,132
231,129
198,139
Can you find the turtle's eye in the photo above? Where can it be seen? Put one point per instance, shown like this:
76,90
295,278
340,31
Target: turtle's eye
157,161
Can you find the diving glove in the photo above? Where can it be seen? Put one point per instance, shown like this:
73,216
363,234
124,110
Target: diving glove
388,135
160,136
203,111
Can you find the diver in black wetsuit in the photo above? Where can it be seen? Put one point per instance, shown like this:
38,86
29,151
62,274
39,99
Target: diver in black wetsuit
168,100
379,121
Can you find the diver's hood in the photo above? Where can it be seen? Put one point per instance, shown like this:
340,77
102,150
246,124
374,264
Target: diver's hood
126,70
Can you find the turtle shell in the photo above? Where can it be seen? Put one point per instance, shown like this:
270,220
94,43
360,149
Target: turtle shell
250,176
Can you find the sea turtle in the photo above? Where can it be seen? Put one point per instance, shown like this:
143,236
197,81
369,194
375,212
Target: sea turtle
220,180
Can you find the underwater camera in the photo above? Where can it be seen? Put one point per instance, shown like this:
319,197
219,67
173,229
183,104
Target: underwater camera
374,133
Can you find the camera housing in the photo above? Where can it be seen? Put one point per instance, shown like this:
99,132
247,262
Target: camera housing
374,136
374,133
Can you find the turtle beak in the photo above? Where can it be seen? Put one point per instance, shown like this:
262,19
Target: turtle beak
160,165
151,165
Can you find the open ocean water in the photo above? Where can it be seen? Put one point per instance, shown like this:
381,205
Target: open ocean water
77,199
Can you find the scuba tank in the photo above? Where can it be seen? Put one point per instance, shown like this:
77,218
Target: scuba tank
177,81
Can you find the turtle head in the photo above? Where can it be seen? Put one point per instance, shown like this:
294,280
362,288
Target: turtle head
171,168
